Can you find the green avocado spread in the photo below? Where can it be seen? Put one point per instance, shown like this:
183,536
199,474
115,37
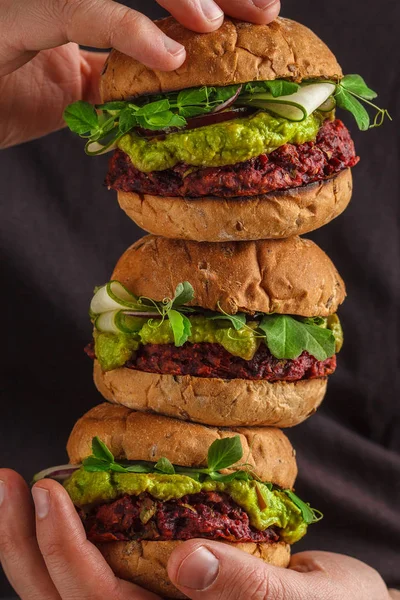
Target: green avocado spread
243,343
114,350
93,488
221,144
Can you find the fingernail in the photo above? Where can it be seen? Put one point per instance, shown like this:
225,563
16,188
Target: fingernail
264,4
211,11
41,498
173,47
2,491
199,570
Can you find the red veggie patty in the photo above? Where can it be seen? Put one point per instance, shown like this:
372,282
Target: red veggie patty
287,167
210,515
212,360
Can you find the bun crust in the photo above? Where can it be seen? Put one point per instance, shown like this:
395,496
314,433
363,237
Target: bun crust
292,276
236,53
217,402
145,563
273,216
134,435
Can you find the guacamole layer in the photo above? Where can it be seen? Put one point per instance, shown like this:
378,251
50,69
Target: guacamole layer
221,144
114,350
265,508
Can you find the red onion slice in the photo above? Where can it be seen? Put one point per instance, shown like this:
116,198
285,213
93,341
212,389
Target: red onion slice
152,315
211,118
228,102
60,473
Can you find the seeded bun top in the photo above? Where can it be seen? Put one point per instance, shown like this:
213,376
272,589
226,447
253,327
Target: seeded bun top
132,435
238,52
292,276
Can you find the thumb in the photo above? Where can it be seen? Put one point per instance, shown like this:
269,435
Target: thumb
215,571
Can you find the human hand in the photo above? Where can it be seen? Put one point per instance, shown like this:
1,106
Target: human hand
214,571
52,560
42,69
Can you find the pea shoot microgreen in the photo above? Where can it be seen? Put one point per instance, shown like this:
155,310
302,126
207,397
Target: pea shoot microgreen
104,124
351,91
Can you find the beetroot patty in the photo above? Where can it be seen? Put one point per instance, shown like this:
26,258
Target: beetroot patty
206,515
287,167
212,360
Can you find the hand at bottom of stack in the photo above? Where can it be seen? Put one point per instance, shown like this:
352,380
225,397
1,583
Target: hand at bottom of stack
171,506
59,563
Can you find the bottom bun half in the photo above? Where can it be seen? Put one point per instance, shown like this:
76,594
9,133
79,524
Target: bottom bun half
276,215
218,402
145,563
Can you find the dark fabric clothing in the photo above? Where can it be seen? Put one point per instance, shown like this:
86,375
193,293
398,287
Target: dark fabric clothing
62,232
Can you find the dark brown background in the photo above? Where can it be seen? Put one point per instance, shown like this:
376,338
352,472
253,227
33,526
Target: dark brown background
62,232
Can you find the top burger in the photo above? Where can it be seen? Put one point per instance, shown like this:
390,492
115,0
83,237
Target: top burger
240,143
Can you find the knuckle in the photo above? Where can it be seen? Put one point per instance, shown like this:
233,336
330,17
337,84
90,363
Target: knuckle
266,587
257,585
126,18
52,551
66,11
65,6
69,10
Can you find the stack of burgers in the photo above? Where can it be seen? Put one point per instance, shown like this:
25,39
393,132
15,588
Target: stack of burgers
220,328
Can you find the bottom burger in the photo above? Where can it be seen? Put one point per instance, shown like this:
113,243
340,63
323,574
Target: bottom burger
143,483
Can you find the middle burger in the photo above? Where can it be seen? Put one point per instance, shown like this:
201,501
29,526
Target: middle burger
244,333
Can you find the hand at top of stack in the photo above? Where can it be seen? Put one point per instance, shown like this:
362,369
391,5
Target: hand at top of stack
42,68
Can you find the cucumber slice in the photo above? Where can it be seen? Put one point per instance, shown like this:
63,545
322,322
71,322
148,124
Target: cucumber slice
120,294
106,322
112,296
101,302
295,107
95,149
116,321
328,105
289,111
281,108
128,323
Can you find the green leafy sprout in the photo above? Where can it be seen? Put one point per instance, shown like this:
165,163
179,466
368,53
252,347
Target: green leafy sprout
103,125
225,453
350,92
287,337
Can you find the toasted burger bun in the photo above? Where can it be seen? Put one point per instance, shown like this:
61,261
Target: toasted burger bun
134,435
218,402
292,276
238,52
145,563
276,215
